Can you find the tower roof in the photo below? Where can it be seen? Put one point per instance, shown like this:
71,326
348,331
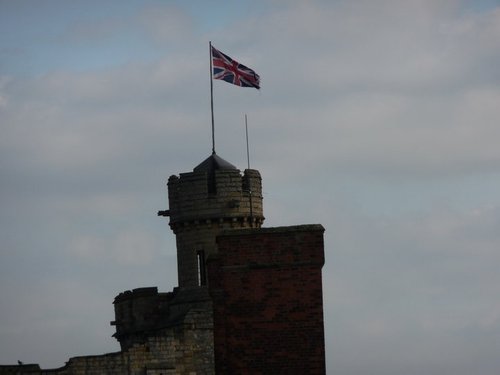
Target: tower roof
212,163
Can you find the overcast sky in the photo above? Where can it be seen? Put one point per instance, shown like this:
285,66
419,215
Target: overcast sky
377,119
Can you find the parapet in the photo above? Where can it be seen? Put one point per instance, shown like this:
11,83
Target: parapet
136,312
215,194
296,246
141,312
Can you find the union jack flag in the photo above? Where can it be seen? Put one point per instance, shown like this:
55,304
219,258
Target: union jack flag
231,71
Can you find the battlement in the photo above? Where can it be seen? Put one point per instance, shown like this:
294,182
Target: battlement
136,312
141,311
218,197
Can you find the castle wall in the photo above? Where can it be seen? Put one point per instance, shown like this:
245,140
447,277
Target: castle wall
176,327
185,348
268,310
259,309
138,312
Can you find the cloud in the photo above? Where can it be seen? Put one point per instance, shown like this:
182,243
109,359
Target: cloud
377,120
125,248
80,120
367,107
167,23
397,90
417,290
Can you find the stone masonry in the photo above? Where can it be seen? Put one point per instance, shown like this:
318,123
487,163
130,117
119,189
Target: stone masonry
248,301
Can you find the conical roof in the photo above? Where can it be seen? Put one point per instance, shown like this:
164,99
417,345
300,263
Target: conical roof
212,163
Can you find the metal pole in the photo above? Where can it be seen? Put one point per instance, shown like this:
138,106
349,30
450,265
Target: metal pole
246,132
212,98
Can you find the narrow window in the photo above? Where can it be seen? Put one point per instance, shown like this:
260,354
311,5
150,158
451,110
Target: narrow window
200,256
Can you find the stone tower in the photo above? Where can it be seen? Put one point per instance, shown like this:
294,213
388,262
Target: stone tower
249,299
212,198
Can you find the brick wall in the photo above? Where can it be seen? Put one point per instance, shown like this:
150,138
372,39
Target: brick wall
266,287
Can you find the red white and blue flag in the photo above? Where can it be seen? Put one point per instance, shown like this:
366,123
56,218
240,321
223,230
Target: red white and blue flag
231,71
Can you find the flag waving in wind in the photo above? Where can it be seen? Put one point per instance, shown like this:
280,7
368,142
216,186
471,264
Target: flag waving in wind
231,71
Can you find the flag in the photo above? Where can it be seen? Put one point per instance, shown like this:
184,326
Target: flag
231,71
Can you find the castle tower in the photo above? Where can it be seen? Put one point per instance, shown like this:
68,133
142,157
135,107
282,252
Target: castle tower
257,308
215,196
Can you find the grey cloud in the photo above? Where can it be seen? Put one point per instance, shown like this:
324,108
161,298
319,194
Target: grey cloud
377,120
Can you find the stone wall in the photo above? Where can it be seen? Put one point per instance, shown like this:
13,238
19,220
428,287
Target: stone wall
267,291
185,348
138,312
191,200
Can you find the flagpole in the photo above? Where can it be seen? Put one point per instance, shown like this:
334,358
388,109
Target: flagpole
212,98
